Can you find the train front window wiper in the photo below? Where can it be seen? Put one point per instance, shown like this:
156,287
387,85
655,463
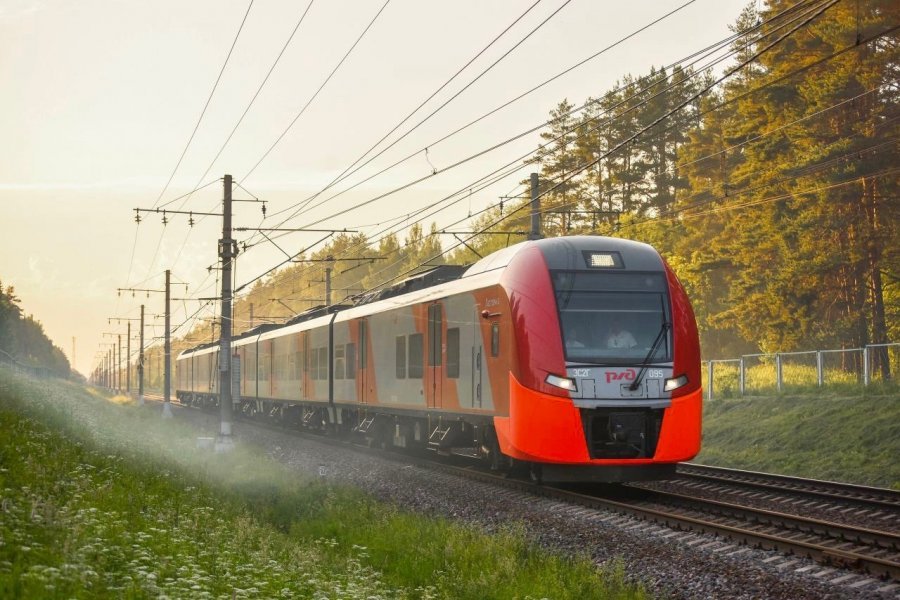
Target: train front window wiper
646,362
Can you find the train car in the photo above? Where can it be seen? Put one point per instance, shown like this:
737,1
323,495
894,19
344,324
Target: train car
576,359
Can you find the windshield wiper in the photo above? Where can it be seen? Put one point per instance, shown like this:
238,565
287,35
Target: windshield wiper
646,362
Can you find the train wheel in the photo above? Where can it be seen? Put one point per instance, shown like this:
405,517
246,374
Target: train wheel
536,473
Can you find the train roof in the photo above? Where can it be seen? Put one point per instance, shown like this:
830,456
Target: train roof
443,280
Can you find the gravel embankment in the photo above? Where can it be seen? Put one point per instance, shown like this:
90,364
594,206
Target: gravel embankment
671,564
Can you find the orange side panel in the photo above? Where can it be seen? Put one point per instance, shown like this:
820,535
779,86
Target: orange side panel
679,438
541,427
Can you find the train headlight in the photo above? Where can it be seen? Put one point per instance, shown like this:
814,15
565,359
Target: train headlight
562,382
675,382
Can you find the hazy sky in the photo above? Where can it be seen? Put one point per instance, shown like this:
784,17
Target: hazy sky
99,99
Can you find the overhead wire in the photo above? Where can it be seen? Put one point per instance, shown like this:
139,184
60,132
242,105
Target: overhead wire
321,87
191,137
525,156
514,138
193,134
815,13
542,124
444,138
424,102
205,106
258,89
594,162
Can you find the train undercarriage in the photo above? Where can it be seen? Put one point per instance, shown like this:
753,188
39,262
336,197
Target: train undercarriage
470,437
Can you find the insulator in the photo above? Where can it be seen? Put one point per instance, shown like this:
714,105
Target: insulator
264,209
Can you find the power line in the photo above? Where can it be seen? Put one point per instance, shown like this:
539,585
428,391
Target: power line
193,133
205,106
516,137
531,130
731,37
817,12
327,79
731,72
419,107
258,90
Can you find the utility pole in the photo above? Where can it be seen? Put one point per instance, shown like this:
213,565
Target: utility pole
141,363
227,251
167,406
128,361
73,352
167,399
328,282
535,210
119,366
251,315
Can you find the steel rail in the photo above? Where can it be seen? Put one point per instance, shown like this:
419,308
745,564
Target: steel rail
874,496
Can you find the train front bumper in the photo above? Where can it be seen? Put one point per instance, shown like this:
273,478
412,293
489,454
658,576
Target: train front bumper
543,428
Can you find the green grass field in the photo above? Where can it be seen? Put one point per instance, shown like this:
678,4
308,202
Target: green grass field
854,439
103,500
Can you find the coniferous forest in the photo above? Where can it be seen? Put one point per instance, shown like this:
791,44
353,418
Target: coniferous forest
23,340
769,181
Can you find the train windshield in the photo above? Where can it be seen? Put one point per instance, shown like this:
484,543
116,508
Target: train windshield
612,318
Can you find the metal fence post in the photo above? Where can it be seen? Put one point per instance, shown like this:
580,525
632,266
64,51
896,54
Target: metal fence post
709,386
778,381
741,375
820,371
865,358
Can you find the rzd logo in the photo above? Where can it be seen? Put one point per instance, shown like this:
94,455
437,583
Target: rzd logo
627,375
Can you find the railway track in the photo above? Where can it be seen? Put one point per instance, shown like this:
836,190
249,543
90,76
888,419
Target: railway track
874,552
878,499
838,545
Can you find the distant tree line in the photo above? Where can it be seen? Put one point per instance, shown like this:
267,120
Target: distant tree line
23,338
774,197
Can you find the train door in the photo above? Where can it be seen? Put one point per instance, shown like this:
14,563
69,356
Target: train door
363,377
477,359
435,355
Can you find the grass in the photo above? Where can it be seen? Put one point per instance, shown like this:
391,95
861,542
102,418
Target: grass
855,439
107,500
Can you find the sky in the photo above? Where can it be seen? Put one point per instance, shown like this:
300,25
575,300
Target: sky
100,98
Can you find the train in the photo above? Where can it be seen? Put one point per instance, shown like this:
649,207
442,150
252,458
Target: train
570,359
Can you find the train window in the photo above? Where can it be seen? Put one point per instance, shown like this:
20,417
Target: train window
612,318
323,363
362,345
338,362
250,363
434,335
265,366
401,357
495,339
280,366
416,356
313,364
297,366
350,354
453,352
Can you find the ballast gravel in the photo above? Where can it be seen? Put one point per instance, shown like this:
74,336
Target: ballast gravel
669,563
